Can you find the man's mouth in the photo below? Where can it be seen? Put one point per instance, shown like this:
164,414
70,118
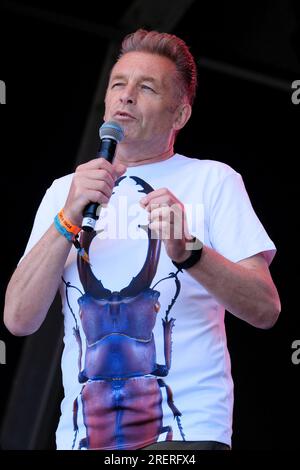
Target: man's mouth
123,115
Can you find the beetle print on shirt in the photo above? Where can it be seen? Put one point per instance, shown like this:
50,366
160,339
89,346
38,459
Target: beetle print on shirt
121,395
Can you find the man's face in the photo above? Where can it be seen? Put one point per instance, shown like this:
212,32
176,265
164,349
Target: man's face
141,97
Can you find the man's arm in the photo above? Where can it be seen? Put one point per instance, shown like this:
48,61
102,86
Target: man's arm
245,289
34,283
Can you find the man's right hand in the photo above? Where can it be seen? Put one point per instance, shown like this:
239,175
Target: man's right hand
92,182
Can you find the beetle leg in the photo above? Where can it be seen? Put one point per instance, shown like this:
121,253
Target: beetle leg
170,401
76,333
168,326
75,424
83,443
169,431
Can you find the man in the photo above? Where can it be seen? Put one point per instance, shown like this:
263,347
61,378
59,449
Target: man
133,380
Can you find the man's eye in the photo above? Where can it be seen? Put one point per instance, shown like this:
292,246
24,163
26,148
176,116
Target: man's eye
147,87
117,84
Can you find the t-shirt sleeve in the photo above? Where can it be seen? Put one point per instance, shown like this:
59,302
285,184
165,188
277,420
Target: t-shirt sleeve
48,208
235,230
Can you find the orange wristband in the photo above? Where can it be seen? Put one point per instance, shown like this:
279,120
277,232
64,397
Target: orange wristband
67,224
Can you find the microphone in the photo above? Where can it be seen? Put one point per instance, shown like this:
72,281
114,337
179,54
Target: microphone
110,135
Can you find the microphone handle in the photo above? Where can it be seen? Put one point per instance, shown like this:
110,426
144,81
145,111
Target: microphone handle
91,212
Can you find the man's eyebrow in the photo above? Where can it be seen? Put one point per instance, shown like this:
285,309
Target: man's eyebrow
147,78
117,77
142,78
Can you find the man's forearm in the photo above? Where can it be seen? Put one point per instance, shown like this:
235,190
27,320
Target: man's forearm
34,283
247,292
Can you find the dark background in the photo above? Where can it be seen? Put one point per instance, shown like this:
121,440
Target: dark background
248,57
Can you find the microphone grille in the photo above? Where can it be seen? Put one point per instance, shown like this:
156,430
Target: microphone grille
111,130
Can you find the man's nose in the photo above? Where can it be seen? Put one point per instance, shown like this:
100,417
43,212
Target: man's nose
128,95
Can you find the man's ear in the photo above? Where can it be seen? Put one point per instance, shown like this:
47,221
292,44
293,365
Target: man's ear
182,115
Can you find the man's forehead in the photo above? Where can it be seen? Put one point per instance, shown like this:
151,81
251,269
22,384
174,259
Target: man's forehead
144,66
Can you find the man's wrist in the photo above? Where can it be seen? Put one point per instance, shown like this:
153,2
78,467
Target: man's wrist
194,249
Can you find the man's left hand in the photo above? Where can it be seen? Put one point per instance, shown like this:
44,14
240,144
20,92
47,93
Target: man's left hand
167,221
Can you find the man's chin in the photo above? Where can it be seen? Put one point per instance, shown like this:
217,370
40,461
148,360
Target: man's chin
129,135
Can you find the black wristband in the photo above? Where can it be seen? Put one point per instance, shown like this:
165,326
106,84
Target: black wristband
193,258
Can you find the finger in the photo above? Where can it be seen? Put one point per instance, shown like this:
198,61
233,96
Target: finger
173,216
97,197
160,229
162,213
99,164
100,175
175,206
156,202
163,193
97,185
119,168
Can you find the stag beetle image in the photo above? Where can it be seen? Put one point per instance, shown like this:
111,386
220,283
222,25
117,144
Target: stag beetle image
121,395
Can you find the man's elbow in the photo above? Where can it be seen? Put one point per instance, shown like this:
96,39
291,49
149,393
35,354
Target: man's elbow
269,315
16,328
15,324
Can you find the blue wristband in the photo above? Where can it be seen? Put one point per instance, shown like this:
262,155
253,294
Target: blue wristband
71,238
68,235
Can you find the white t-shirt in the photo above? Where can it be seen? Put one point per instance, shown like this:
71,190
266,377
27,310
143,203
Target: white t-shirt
220,214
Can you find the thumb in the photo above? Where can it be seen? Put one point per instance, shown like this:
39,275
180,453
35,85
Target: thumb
119,168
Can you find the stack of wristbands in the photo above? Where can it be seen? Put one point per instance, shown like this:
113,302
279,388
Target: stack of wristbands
70,232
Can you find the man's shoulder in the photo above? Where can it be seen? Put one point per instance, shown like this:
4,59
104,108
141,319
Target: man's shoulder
57,192
63,180
207,166
62,183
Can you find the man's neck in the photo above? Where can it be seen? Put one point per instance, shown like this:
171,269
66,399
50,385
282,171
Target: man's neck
138,159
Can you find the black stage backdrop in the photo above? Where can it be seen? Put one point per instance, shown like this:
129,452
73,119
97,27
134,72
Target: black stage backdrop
244,115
